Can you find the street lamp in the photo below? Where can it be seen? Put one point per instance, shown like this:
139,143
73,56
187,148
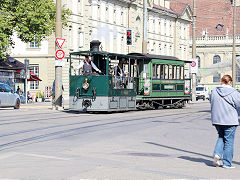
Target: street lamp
26,62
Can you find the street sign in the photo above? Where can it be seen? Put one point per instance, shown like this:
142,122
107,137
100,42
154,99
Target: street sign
60,54
60,42
193,64
193,67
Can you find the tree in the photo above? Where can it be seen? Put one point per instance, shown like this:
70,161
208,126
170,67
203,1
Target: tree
30,19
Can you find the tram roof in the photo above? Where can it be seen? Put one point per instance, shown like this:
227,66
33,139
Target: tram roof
104,53
154,56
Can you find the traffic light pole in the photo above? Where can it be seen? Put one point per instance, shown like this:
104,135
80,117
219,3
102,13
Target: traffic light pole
194,79
58,69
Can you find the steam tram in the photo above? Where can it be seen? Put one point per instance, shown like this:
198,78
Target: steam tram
146,81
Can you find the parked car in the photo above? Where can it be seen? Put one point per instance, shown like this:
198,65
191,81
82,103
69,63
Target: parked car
8,98
202,92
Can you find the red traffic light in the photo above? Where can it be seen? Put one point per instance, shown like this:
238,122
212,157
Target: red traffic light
128,33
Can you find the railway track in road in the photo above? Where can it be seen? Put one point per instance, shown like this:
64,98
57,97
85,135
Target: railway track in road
77,125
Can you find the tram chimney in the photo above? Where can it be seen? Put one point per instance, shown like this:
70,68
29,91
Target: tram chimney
97,59
94,45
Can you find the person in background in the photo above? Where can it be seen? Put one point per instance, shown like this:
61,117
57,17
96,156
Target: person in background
119,73
225,101
29,97
19,92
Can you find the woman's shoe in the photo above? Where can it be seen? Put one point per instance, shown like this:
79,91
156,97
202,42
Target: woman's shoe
228,167
216,160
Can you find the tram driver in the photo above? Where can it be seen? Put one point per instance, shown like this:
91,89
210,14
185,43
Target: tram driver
89,66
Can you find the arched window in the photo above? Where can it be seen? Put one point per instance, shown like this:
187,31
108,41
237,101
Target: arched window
198,59
216,59
217,76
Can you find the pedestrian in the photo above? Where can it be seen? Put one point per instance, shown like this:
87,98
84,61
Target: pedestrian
225,100
19,92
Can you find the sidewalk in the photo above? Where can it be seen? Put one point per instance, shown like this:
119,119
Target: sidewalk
39,105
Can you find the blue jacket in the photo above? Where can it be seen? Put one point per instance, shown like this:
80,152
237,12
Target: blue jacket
225,101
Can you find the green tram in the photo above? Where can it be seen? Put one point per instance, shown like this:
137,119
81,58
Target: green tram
147,81
161,82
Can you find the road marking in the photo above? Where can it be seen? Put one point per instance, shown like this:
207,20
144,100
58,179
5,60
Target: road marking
8,155
45,156
34,107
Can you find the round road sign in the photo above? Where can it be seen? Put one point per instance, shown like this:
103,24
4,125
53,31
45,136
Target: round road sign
60,54
193,64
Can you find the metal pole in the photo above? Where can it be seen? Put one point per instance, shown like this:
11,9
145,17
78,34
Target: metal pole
26,62
58,68
194,81
145,14
234,47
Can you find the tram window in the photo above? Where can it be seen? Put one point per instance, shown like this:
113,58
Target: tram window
158,71
182,72
170,72
154,70
178,72
126,70
173,72
166,71
161,71
132,70
145,68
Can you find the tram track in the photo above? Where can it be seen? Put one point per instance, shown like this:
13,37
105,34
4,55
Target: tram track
76,130
14,121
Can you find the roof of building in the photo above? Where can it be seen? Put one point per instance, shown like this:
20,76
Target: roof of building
213,17
177,8
11,63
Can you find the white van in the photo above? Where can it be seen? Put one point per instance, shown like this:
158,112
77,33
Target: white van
202,92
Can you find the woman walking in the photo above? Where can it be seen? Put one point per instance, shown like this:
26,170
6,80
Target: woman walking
224,103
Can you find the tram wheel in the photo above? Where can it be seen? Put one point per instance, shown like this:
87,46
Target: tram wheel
156,106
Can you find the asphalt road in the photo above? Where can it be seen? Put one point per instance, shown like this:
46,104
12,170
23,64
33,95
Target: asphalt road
38,143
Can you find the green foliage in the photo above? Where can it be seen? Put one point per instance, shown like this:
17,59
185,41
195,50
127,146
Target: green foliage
29,19
39,95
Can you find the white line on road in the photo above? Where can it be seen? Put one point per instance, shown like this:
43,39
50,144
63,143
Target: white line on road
44,156
7,155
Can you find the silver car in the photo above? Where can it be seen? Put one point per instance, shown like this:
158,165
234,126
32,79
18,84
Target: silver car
8,98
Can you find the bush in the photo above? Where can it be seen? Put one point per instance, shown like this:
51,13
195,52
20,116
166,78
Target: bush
39,95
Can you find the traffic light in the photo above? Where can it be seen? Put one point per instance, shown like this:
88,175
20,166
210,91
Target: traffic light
129,37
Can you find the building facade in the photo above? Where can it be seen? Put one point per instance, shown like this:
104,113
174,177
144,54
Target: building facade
168,28
214,41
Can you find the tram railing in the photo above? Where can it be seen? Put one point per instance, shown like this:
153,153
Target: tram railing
122,82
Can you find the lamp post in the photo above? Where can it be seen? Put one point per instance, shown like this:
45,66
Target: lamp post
194,80
58,68
26,62
234,47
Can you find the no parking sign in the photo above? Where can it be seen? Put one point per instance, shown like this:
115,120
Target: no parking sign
193,67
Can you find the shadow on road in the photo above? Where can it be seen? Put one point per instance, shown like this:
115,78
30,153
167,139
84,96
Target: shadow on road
201,160
207,162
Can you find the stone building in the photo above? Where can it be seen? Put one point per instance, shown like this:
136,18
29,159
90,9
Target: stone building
214,31
107,21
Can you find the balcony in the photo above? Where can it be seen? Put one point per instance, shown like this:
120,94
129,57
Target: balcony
217,40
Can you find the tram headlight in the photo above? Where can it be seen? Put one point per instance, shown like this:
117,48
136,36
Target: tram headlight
85,84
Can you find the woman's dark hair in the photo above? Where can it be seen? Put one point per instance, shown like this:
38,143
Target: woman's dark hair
226,79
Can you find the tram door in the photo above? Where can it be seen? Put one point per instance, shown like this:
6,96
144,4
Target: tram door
144,84
147,80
